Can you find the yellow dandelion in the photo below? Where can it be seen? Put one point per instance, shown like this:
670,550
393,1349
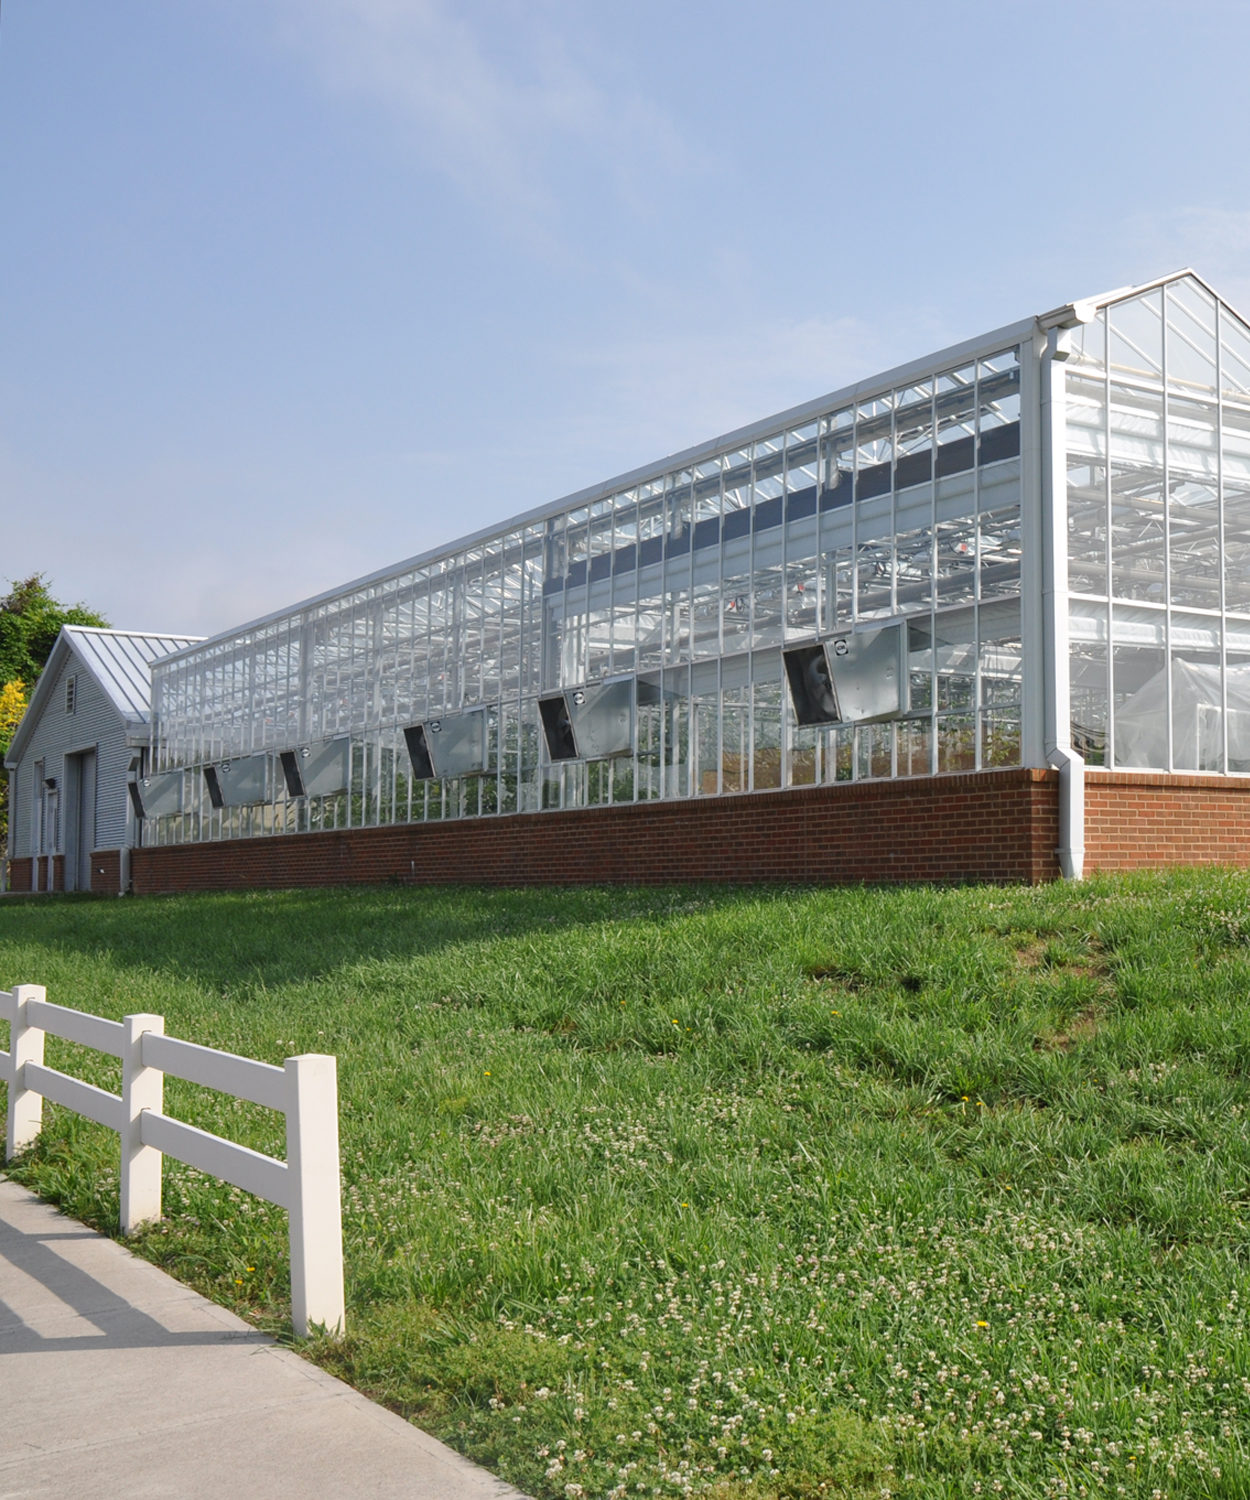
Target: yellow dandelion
980,1324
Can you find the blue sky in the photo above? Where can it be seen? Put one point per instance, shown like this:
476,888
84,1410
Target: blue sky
293,289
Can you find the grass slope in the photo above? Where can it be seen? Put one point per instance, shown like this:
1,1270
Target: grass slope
738,1193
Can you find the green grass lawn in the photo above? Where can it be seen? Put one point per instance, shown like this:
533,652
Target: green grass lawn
736,1193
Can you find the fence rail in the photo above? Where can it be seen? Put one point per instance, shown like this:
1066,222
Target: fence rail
304,1090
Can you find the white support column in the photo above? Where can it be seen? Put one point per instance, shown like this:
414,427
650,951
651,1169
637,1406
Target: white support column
314,1209
25,1112
143,1088
1058,710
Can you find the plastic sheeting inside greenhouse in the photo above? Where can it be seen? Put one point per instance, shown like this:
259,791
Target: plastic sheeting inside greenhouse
1141,721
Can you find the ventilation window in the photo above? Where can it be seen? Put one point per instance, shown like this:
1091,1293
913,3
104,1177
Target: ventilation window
594,722
859,678
238,783
71,694
558,728
320,769
158,795
454,745
419,753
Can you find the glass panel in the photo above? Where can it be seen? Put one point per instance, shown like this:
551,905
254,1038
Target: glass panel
1001,658
955,660
874,577
1087,485
1190,335
766,761
914,553
1235,458
920,665
1089,685
804,754
1138,547
1089,341
957,742
1137,336
1139,688
956,561
874,751
707,742
955,410
736,738
1193,504
839,589
914,437
1237,688
1234,356
1197,695
915,748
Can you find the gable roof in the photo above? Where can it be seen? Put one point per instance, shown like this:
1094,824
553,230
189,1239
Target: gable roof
118,660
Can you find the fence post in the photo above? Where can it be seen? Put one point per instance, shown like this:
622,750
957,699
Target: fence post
25,1112
142,1088
314,1210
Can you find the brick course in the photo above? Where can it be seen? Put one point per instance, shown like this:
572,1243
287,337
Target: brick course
993,825
106,870
1142,821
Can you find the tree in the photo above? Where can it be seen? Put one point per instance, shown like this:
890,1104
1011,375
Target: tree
30,621
12,706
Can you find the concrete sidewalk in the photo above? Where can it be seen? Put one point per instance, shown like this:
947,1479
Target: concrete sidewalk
117,1380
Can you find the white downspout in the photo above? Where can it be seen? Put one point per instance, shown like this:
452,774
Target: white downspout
132,834
1057,694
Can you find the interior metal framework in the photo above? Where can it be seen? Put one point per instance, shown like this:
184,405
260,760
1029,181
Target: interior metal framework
648,638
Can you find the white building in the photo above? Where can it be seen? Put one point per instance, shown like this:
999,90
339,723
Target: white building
83,736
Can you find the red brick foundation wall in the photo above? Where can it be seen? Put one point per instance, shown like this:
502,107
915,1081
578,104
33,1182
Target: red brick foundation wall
994,825
106,870
21,874
1135,822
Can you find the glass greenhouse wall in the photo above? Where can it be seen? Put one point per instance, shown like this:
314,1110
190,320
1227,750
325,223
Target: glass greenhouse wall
649,639
1158,497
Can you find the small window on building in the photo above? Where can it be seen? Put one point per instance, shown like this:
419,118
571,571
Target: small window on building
71,694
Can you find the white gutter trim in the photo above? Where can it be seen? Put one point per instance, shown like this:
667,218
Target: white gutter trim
1058,712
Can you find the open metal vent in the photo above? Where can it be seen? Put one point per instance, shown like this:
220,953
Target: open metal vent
453,745
238,783
156,796
857,678
317,770
593,722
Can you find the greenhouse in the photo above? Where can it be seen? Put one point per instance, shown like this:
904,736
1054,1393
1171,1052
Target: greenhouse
1030,551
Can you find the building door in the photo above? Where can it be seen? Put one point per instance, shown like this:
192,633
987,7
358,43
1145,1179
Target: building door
49,827
80,820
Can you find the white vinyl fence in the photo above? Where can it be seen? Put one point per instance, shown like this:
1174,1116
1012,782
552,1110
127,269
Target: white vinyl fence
304,1089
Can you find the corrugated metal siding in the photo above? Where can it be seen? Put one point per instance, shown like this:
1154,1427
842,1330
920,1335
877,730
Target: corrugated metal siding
19,808
94,724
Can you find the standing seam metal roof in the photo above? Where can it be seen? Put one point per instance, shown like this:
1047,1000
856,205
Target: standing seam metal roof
120,660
